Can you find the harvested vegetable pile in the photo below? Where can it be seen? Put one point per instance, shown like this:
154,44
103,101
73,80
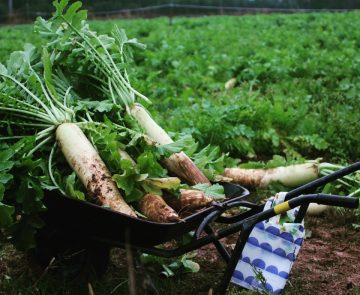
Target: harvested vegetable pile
72,122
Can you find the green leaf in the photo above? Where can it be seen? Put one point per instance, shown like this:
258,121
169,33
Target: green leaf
48,73
148,188
313,140
72,10
135,195
3,70
16,63
127,180
164,183
5,178
6,215
42,27
147,258
60,6
148,163
6,154
124,182
172,267
167,271
215,191
29,52
5,166
356,226
70,188
211,161
2,191
79,18
189,265
167,150
277,161
103,106
29,194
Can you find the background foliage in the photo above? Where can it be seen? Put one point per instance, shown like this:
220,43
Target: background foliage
297,76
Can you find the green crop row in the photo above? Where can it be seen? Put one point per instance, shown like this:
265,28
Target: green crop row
297,77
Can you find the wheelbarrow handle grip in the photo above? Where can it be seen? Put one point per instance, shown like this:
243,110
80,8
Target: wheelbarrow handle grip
325,199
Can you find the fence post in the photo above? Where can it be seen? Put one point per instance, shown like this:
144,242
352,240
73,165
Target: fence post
27,10
221,7
10,10
171,13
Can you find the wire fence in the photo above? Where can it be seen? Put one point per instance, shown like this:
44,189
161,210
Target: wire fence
170,10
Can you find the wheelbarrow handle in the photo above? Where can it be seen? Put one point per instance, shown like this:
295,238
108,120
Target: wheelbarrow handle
311,186
220,210
325,199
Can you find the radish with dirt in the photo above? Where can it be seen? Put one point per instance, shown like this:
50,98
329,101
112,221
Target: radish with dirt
36,101
102,67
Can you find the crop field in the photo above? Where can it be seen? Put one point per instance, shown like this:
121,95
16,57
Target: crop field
294,91
297,80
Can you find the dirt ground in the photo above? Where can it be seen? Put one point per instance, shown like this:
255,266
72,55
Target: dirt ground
328,263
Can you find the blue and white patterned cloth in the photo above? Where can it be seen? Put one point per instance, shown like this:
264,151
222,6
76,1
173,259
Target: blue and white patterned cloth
270,251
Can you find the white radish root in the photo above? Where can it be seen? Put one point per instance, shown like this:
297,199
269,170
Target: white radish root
189,201
155,208
152,129
290,176
193,199
178,163
185,168
316,209
89,167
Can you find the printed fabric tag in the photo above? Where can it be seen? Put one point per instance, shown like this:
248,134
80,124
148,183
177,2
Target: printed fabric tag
270,251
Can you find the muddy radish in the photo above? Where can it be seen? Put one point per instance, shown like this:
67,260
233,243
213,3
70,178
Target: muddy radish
89,167
155,209
290,176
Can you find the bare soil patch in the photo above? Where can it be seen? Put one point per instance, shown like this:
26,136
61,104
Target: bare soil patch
328,263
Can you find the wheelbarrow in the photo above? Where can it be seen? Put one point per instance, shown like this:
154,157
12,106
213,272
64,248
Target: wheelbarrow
72,223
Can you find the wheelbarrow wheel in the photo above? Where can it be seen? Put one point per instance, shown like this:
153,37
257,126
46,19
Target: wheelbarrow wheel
74,256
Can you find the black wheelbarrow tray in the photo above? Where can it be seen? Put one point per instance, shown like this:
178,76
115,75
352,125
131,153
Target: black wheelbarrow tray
70,222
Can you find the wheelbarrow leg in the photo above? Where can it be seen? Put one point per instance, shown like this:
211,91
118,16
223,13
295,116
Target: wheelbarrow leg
219,246
146,280
236,254
85,256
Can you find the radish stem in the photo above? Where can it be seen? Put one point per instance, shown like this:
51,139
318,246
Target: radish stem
178,163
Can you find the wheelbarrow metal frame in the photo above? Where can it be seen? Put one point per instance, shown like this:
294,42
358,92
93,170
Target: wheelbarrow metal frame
200,222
